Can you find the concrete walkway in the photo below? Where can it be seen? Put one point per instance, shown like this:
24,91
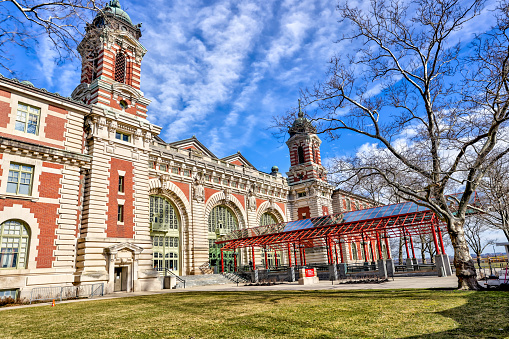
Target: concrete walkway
397,283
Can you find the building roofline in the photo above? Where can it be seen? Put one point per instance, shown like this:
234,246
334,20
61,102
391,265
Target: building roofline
238,154
42,91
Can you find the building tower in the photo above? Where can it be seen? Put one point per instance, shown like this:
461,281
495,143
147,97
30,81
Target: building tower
114,245
307,178
111,63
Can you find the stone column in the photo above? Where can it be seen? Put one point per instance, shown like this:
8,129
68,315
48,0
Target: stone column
333,272
382,268
342,270
389,263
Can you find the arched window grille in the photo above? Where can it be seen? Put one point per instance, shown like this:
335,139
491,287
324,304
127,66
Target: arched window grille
300,151
163,216
223,218
14,240
120,68
267,219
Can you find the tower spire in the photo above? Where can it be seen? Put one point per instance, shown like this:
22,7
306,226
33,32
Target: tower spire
301,114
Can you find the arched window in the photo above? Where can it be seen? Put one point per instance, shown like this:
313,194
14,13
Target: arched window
120,67
300,151
14,240
267,219
163,216
164,222
221,217
221,221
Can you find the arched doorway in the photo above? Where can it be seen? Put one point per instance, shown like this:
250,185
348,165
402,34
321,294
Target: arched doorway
221,221
165,234
268,218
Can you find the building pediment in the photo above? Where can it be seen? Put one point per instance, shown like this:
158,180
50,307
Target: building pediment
238,159
125,246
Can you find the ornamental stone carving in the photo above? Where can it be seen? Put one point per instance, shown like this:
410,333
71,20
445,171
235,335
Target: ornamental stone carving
102,123
138,134
227,197
89,127
251,201
164,180
198,190
113,126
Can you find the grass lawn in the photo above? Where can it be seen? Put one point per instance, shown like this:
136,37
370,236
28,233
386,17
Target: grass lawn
280,314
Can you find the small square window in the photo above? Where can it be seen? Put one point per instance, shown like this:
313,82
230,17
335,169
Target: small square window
175,170
163,168
120,184
216,180
187,173
19,180
120,217
122,136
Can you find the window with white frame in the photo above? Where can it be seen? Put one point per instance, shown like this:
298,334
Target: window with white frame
20,177
27,119
14,240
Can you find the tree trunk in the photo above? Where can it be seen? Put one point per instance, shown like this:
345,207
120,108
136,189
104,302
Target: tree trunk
463,262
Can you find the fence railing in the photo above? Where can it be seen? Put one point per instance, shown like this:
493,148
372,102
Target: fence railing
66,292
168,272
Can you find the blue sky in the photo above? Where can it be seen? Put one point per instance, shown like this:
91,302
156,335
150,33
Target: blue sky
221,69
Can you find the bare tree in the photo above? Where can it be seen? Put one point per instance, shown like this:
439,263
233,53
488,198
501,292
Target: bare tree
495,189
475,233
24,22
434,117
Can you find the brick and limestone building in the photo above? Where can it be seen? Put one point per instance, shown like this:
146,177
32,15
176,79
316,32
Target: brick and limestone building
89,193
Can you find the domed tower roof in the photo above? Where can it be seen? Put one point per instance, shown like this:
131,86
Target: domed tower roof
301,125
114,8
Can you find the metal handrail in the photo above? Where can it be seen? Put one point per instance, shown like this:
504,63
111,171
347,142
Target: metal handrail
234,277
168,272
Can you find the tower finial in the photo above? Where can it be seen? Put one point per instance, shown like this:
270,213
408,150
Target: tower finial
301,114
115,3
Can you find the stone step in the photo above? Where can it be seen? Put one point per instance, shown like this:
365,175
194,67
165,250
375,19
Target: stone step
205,280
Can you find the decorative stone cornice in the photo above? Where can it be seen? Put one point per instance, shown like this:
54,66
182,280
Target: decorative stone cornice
47,153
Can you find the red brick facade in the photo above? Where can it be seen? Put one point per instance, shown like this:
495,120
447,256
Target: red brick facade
114,228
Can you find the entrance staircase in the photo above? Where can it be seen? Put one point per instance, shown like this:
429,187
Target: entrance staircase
206,279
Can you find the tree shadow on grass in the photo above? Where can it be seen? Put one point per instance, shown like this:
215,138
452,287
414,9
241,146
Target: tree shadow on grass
484,315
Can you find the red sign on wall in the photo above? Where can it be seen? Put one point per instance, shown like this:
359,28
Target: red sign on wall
310,272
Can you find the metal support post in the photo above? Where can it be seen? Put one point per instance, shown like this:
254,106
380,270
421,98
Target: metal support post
387,249
253,258
289,255
266,261
341,251
441,240
435,239
222,261
295,254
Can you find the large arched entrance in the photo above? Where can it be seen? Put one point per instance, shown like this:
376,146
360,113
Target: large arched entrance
267,256
221,221
165,234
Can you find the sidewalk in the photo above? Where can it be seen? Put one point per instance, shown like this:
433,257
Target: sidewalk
397,283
